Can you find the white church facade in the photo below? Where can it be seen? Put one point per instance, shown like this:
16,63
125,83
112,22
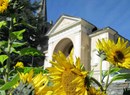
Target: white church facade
72,32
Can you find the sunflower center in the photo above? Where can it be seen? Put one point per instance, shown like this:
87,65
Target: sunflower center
119,56
67,78
1,2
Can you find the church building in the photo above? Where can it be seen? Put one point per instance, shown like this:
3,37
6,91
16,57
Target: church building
73,32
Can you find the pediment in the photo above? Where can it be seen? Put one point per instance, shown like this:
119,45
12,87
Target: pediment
63,22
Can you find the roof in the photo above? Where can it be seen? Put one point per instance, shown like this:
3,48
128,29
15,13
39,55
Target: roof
65,22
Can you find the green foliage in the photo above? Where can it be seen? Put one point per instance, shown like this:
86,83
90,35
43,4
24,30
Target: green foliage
8,85
18,24
2,23
18,44
30,51
120,77
35,69
3,58
3,45
1,82
111,71
21,31
18,34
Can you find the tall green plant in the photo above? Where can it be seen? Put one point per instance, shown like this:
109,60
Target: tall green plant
12,44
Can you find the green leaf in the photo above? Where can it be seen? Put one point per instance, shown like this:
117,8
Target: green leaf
120,76
112,70
39,69
2,70
91,73
3,43
30,51
2,23
18,44
8,85
3,58
18,34
14,20
36,70
25,24
11,50
27,69
1,81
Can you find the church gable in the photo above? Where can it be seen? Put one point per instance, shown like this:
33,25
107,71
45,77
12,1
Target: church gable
64,22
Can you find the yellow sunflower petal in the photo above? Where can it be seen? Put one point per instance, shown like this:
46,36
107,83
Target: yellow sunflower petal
68,76
3,5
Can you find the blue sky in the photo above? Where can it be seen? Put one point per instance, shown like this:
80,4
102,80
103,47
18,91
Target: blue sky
101,13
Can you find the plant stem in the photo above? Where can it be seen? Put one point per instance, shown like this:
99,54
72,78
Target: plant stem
97,83
106,85
8,61
101,70
9,51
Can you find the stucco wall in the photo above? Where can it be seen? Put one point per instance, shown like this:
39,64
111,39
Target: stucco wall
95,59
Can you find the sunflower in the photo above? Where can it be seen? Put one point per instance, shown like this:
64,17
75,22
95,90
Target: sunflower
119,54
26,77
19,65
38,82
3,5
68,77
116,53
104,45
93,91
